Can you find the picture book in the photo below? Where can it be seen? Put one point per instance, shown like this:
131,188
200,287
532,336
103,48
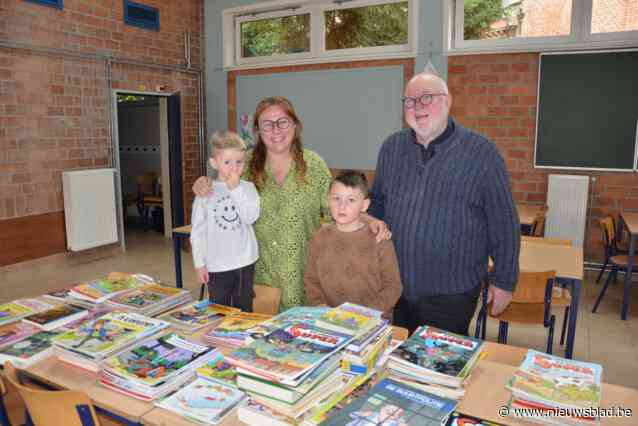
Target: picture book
91,314
18,309
154,360
197,314
59,295
29,350
460,419
289,352
14,332
361,310
219,370
439,351
392,403
234,329
203,401
307,314
557,381
55,317
150,299
100,290
99,337
347,320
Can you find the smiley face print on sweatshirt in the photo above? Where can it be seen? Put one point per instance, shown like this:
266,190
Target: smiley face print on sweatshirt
226,214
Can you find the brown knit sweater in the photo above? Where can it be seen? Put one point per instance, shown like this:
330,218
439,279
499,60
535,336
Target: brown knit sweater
352,267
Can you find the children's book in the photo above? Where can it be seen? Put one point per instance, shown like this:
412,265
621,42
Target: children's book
100,290
203,401
460,419
18,309
556,381
347,319
150,299
198,314
218,369
289,352
392,403
92,313
59,295
361,310
233,330
253,413
307,314
100,337
157,359
55,317
28,351
14,332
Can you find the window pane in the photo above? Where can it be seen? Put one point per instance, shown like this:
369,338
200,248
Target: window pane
610,16
502,19
370,26
275,36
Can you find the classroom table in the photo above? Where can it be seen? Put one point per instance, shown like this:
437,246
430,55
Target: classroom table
629,220
179,234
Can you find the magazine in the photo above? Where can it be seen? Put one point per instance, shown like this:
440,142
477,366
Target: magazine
100,290
198,314
18,309
347,319
55,317
218,369
14,332
28,351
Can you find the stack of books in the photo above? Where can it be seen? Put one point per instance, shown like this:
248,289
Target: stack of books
29,350
154,367
203,401
100,290
218,370
197,315
547,383
393,403
14,332
356,320
150,300
18,309
55,317
435,361
233,330
94,340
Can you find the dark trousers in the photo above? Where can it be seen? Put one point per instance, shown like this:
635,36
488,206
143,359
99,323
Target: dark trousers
233,288
448,312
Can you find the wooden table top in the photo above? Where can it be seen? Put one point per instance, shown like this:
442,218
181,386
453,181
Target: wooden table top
567,261
631,220
527,212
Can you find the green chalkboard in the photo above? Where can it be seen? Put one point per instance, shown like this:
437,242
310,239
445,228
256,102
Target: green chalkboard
587,110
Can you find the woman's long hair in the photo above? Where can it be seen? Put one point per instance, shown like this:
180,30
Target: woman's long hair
258,160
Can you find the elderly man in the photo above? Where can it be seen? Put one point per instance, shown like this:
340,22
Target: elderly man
445,193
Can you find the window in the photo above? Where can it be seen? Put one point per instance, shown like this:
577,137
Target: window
279,33
58,4
140,15
485,25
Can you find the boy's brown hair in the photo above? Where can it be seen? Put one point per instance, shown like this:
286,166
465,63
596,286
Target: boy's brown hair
353,179
225,139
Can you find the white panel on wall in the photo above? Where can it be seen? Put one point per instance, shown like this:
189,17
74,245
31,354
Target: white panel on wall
567,202
89,208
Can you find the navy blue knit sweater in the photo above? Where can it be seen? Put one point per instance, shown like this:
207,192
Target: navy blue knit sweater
447,213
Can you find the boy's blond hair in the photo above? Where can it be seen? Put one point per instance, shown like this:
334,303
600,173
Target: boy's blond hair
225,139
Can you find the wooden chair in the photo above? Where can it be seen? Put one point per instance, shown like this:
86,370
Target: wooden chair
547,240
531,304
538,226
148,194
266,301
69,408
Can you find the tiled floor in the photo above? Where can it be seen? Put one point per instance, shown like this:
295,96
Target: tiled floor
600,337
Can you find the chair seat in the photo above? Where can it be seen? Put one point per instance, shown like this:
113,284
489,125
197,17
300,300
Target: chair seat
622,260
524,313
152,200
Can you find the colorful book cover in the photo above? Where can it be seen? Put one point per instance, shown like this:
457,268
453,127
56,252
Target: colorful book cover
237,325
558,380
203,401
307,314
101,289
19,309
58,295
14,332
460,419
92,314
29,347
54,314
347,320
439,351
391,403
198,314
361,310
146,296
153,360
220,370
97,338
289,351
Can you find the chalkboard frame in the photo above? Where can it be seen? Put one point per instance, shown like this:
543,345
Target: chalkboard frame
634,167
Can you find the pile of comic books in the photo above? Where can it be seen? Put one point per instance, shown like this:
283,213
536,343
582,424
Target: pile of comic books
18,309
28,350
233,329
150,300
87,345
100,290
155,366
291,365
554,388
435,361
197,315
56,317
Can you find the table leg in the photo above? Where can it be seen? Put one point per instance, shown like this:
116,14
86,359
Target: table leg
177,252
630,268
573,315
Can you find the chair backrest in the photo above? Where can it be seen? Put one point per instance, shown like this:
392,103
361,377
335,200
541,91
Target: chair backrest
147,183
538,226
532,286
610,227
603,231
547,240
266,299
69,408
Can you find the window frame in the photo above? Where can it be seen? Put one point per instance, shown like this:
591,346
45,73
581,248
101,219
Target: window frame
579,38
234,17
56,4
140,24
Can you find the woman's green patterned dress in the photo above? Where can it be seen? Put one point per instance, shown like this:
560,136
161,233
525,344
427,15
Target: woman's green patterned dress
290,214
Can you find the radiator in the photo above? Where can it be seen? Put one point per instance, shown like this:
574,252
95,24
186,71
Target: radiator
89,208
567,202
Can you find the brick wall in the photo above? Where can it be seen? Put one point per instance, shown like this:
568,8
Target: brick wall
54,109
496,95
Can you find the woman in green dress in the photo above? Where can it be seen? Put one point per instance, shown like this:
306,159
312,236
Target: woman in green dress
293,184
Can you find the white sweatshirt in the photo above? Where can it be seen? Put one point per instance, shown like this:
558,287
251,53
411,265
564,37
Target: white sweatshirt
222,234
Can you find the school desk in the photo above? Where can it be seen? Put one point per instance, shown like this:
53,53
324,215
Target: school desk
630,221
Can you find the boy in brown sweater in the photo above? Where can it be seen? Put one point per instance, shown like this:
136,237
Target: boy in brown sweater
345,262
